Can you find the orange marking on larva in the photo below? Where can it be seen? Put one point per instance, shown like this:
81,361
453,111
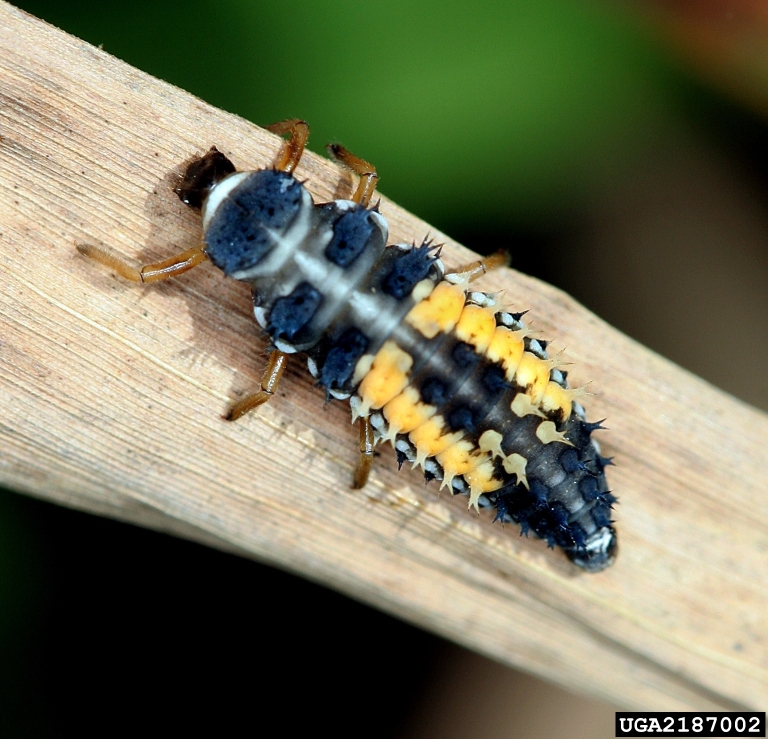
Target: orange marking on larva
439,312
476,326
558,401
387,377
422,290
533,375
430,439
405,412
507,347
458,459
481,480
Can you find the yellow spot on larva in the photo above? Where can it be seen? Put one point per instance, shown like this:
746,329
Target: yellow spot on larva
430,439
362,368
515,464
506,347
558,401
533,375
406,411
422,290
458,459
439,312
522,406
547,433
490,441
481,480
476,326
387,377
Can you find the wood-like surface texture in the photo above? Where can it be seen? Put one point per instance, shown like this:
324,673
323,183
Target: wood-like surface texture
111,398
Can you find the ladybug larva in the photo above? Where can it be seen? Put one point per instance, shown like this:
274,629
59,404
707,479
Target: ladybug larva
456,385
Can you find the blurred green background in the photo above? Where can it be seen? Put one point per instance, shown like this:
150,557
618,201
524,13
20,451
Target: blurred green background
557,130
491,111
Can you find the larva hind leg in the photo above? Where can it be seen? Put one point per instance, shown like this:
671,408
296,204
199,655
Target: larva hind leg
269,382
365,461
473,270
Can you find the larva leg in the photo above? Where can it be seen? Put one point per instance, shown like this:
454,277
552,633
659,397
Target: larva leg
367,173
149,272
299,133
473,270
269,382
364,463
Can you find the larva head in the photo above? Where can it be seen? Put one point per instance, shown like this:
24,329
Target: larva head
201,176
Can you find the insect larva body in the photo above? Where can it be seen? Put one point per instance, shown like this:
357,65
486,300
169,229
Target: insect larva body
455,384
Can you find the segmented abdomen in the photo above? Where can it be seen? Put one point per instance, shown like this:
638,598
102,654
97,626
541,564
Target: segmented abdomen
461,390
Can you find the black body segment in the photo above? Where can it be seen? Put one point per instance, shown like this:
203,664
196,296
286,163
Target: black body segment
336,361
408,268
352,232
293,312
